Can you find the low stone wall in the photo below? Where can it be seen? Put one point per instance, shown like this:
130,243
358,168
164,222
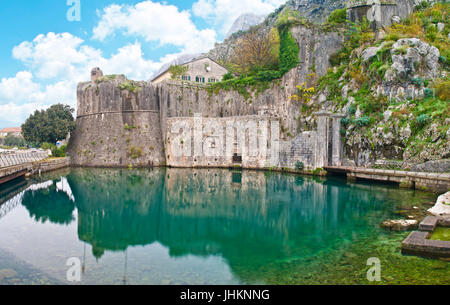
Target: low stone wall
436,182
12,159
50,165
435,166
423,181
12,172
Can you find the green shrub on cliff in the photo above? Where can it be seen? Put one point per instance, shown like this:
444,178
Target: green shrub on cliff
289,51
130,86
261,80
338,16
135,152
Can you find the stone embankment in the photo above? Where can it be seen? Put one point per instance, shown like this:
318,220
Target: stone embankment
18,158
436,182
50,165
17,164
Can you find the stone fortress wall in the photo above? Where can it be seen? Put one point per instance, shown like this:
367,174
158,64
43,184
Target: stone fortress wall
122,122
116,127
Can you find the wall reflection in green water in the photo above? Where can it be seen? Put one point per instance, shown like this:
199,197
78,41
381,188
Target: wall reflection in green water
214,226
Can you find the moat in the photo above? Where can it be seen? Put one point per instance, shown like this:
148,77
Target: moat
206,226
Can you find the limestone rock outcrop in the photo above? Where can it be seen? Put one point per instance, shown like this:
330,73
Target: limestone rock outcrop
408,55
442,206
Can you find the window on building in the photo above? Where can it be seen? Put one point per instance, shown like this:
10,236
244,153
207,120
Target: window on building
199,79
211,80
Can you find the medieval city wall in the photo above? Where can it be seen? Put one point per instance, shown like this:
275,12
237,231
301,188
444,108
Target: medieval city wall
122,123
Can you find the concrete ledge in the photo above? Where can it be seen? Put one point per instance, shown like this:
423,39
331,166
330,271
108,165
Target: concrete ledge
428,224
435,182
417,244
50,165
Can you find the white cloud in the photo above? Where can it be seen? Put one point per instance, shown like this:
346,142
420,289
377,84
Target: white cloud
19,87
156,22
12,115
129,60
223,13
21,95
55,55
56,64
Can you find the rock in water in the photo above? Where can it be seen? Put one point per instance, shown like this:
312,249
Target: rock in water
400,224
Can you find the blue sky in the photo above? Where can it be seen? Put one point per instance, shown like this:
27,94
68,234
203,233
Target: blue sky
43,55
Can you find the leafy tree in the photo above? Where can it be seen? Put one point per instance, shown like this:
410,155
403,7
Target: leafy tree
228,76
49,125
176,71
12,140
257,50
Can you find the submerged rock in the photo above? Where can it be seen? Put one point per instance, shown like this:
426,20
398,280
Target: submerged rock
400,224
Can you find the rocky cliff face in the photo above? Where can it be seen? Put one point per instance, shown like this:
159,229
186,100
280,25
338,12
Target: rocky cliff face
315,10
394,91
244,22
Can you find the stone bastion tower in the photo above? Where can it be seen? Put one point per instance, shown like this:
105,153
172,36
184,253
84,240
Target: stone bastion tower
118,123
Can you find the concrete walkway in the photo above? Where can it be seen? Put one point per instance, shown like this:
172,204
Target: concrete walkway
16,164
436,182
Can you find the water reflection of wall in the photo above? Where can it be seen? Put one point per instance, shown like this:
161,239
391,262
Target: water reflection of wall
214,211
250,218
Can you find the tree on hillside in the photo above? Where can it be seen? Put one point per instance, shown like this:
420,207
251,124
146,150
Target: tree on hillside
49,125
256,50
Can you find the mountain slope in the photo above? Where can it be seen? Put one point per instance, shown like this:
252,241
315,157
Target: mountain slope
244,22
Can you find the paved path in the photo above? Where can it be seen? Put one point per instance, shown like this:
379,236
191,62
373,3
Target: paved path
438,182
11,159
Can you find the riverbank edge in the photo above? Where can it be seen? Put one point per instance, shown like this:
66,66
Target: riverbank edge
320,172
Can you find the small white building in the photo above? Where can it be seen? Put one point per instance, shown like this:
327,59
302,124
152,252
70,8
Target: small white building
201,70
15,131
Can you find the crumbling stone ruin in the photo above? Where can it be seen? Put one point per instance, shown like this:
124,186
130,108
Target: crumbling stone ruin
380,13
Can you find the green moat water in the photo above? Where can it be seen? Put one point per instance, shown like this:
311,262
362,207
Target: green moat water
185,226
